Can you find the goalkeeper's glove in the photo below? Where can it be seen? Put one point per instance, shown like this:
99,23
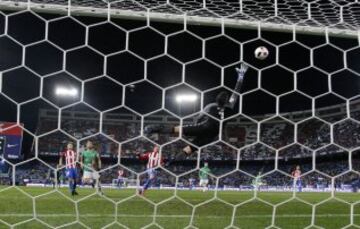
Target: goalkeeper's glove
242,70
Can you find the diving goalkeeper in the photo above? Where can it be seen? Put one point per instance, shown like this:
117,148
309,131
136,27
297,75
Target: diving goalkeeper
205,129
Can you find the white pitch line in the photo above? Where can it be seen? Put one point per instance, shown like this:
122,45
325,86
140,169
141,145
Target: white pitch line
173,216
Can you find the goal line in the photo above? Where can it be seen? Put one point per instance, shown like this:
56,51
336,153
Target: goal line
250,216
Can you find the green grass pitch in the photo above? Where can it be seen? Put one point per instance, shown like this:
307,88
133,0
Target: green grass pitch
19,206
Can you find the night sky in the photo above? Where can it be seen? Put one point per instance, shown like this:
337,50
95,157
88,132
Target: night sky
108,69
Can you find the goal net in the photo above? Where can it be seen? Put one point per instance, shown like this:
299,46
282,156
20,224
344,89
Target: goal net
164,132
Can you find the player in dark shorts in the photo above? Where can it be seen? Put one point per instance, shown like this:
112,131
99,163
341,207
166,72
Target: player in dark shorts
205,129
51,178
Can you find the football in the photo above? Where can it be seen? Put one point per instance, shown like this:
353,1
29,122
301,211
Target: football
261,53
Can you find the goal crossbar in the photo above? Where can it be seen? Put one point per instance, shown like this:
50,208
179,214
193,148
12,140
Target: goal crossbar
116,12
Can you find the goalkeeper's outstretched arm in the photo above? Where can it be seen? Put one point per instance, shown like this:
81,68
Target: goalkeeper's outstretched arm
234,96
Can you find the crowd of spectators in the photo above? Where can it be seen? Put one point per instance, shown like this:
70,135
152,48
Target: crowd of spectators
346,134
239,143
312,134
277,134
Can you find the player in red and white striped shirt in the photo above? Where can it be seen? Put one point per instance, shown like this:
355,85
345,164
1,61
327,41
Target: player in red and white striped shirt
154,160
297,178
120,178
70,157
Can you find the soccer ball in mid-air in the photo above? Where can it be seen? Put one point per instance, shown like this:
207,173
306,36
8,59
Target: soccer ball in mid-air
261,53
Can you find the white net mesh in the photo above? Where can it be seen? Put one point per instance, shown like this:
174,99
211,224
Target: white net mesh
105,71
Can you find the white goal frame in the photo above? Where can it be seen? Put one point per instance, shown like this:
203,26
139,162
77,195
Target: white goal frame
178,18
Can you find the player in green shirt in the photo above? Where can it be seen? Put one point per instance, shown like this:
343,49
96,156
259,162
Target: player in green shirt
91,162
204,176
257,182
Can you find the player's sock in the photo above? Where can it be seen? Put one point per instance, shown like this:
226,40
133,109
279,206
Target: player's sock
99,188
74,186
71,186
